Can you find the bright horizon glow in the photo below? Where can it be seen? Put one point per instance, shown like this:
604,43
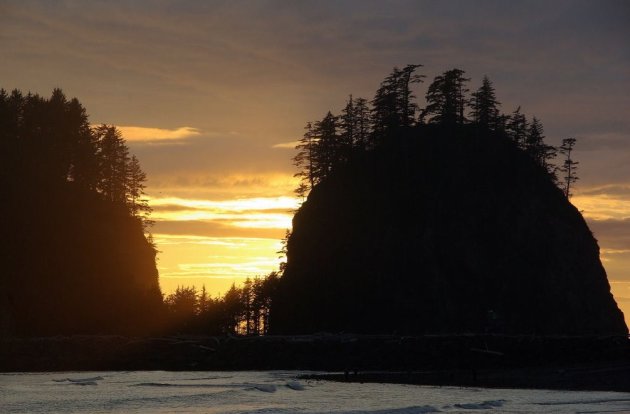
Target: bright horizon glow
214,262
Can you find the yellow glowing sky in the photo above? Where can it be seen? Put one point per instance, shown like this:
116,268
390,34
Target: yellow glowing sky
219,261
211,96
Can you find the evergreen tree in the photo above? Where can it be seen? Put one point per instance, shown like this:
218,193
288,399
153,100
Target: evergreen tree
135,185
446,98
267,291
203,301
394,103
247,300
363,126
569,166
284,243
183,304
408,106
385,112
84,169
537,149
484,105
326,150
518,128
232,310
113,157
349,128
303,160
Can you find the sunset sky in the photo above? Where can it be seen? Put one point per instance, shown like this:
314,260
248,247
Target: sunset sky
211,94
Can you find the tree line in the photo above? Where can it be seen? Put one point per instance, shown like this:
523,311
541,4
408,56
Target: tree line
51,141
241,310
366,125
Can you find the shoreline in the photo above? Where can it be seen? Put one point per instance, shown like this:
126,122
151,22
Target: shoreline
598,363
587,377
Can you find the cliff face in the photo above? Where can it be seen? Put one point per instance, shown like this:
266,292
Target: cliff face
443,231
75,264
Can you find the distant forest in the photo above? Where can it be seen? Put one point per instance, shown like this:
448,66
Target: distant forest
78,250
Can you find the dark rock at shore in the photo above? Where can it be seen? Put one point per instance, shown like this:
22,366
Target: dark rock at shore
74,263
598,362
443,231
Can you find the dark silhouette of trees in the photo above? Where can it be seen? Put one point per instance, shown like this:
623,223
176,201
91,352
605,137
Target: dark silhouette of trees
243,310
135,185
183,305
446,99
393,105
484,105
568,167
334,140
303,160
363,124
517,128
113,157
76,257
328,149
537,149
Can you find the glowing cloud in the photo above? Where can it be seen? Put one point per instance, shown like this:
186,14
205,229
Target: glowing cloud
286,145
242,204
142,134
603,206
215,262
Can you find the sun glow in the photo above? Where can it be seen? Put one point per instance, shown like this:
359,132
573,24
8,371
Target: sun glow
218,260
215,262
249,213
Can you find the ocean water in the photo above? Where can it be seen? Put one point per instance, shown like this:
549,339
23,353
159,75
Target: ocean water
273,392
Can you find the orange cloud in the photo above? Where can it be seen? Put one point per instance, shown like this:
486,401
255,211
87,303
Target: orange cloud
145,134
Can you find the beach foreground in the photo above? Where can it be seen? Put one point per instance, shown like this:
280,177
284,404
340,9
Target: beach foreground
273,392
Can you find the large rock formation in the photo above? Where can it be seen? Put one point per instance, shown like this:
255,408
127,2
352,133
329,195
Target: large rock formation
74,263
443,230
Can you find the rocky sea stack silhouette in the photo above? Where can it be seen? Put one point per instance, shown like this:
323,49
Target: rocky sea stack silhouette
443,229
75,258
84,267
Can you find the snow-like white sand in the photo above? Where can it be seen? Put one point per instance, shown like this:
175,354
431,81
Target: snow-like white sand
273,392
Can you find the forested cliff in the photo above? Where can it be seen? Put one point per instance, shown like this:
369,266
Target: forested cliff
75,258
440,223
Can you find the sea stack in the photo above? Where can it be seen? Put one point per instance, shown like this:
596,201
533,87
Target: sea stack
443,229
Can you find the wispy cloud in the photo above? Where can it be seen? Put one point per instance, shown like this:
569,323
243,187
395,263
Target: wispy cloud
242,204
219,217
608,203
147,134
286,145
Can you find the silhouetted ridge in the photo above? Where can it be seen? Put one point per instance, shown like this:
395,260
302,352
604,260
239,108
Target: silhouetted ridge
443,228
75,259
